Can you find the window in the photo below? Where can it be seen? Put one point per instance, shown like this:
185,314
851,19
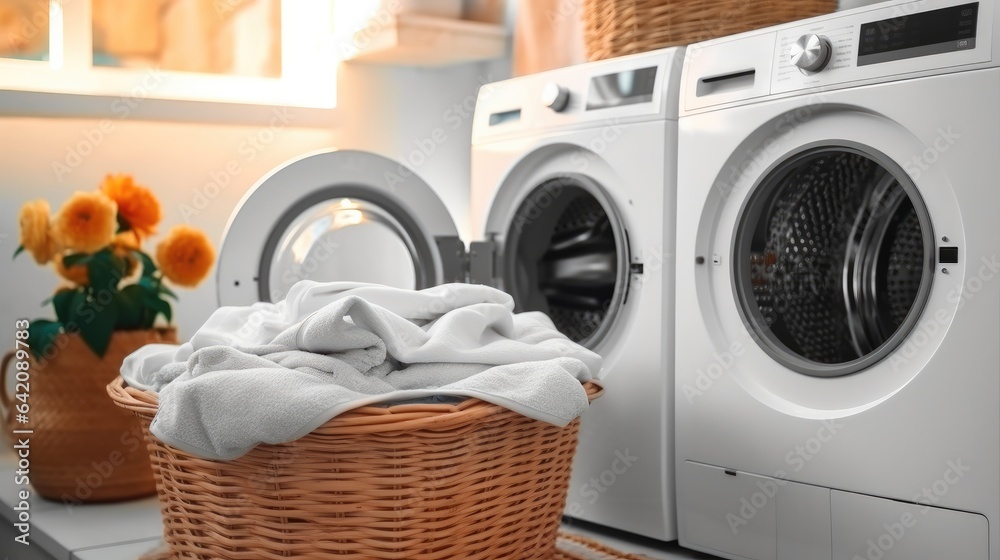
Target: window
262,52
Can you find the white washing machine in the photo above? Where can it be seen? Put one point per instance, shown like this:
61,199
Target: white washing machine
572,205
573,176
838,372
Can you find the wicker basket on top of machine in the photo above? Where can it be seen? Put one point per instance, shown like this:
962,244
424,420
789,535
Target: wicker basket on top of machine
619,27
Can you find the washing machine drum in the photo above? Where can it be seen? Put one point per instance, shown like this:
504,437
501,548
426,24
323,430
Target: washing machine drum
833,260
566,255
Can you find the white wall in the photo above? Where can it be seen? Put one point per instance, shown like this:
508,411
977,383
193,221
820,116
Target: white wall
383,109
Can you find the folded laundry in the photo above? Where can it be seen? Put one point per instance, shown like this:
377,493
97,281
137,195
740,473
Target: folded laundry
273,372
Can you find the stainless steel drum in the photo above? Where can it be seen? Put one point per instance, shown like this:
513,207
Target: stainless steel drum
833,259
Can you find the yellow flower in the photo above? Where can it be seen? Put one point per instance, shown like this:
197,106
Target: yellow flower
36,232
77,274
86,222
185,256
136,204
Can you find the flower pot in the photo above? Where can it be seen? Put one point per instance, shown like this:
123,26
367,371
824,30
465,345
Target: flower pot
82,448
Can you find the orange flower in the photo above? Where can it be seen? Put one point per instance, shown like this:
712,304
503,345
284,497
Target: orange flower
185,256
126,240
76,274
36,232
136,204
86,222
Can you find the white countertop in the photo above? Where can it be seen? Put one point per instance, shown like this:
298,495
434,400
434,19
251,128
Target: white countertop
126,530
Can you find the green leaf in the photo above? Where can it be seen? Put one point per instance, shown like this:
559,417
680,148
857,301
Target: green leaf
148,266
66,302
130,309
166,291
18,251
160,307
41,335
97,330
76,258
103,273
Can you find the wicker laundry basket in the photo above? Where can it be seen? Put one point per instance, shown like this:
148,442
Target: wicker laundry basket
619,27
419,481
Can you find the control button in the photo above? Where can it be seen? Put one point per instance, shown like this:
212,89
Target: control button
948,255
810,53
555,97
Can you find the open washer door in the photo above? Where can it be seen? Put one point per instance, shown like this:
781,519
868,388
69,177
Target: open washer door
338,215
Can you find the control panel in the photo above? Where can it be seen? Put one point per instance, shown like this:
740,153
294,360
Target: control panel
895,39
870,44
609,92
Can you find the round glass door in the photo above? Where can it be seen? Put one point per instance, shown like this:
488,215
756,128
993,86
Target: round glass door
833,260
566,256
340,239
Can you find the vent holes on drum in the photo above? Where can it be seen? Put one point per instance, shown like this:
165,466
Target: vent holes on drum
566,256
833,260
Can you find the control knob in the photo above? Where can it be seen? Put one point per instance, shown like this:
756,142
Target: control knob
811,53
555,97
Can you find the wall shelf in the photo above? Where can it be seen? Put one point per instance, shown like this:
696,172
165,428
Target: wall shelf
409,39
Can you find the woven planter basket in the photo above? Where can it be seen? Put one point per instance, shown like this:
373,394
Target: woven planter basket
619,27
83,448
421,481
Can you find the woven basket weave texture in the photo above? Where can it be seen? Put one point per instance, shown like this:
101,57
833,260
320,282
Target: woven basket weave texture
419,481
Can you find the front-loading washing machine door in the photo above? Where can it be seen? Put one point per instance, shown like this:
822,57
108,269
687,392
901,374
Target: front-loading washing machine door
337,216
833,259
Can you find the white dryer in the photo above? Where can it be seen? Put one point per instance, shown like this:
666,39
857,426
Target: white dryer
837,375
573,176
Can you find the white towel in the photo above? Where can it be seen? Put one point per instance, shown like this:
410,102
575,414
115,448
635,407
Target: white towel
271,373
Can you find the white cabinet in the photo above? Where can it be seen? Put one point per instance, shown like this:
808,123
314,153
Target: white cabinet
744,516
869,527
734,514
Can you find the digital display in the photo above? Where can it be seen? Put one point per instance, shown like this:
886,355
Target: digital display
505,117
624,88
909,36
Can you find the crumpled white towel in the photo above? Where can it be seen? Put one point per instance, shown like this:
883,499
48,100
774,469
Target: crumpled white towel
271,373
